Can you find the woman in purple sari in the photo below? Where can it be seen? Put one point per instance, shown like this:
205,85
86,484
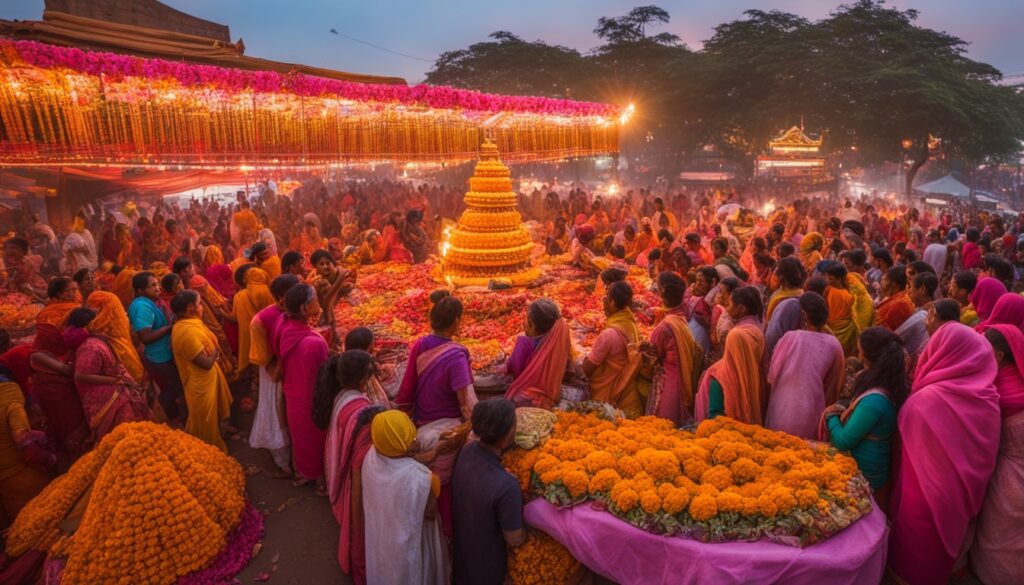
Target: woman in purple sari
302,351
109,394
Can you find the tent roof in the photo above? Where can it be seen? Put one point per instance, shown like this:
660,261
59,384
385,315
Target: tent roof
945,186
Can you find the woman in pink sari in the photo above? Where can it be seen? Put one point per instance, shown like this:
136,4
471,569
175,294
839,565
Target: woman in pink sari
949,429
679,358
301,352
109,394
997,555
1008,310
807,373
985,296
540,357
341,407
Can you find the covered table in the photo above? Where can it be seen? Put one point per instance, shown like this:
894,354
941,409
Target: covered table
626,554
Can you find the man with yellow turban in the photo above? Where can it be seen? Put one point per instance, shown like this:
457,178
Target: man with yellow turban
403,535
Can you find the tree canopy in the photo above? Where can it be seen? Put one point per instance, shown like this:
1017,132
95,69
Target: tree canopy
867,76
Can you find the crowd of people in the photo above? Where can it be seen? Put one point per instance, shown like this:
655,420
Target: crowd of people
895,335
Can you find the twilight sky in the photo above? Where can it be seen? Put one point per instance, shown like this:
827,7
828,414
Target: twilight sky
299,30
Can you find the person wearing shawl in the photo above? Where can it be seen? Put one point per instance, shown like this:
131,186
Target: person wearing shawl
790,275
787,317
679,357
997,555
216,311
970,254
614,360
866,426
863,304
196,355
672,224
342,409
122,286
108,392
403,539
268,428
23,453
265,260
949,435
985,295
540,357
212,256
734,385
244,226
253,298
1008,310
129,255
222,279
111,322
896,307
810,250
373,249
310,240
807,371
301,351
841,307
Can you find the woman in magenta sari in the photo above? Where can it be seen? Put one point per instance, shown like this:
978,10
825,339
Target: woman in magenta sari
301,352
806,373
997,555
540,357
438,390
341,407
949,430
53,388
679,358
985,296
109,394
1008,310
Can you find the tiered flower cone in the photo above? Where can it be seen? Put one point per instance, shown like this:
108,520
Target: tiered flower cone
490,241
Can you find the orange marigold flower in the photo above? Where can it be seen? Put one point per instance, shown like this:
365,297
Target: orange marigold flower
628,466
729,502
675,500
703,507
650,502
603,481
767,505
718,476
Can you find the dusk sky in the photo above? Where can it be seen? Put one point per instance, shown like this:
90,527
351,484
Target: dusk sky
299,30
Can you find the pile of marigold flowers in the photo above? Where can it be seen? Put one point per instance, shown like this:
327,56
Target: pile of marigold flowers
156,505
728,481
541,560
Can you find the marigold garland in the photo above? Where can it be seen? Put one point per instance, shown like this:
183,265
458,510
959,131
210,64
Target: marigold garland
160,507
727,481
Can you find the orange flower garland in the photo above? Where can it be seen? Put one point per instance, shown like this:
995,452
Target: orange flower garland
727,481
160,507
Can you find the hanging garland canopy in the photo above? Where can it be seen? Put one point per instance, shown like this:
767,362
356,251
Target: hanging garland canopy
61,105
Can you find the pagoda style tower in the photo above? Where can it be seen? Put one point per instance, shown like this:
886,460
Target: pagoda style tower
490,241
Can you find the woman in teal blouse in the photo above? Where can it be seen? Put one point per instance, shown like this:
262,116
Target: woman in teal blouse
866,427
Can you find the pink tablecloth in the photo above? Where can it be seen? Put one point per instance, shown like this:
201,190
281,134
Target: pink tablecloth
625,554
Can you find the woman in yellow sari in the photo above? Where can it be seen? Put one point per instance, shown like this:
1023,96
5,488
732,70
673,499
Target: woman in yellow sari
841,308
810,250
111,321
613,361
196,354
216,309
863,304
251,299
20,481
790,275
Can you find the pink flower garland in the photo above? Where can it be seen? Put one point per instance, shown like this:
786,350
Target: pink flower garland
189,74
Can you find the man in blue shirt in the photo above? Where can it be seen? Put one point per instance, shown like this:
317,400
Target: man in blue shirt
153,327
487,505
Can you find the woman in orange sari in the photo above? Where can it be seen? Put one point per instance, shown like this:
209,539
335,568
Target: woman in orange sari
679,357
112,322
540,357
735,385
614,360
897,307
253,298
122,286
130,254
841,308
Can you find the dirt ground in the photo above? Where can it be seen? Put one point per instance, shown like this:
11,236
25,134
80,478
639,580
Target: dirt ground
300,543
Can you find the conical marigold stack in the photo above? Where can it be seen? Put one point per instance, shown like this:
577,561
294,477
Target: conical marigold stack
490,241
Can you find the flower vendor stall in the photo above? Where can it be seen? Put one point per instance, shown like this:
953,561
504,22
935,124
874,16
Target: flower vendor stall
149,502
642,502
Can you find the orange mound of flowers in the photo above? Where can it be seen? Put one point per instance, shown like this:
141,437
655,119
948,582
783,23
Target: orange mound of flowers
727,481
156,505
541,560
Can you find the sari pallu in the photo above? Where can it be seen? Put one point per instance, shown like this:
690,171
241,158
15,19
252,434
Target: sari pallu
57,397
247,303
346,448
677,373
220,278
212,299
540,382
122,287
740,375
619,388
1008,310
107,405
111,322
55,313
788,317
893,311
949,432
863,305
841,319
985,296
302,351
779,296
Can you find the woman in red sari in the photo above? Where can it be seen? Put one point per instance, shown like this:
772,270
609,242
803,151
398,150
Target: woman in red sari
540,357
109,394
342,408
949,430
679,356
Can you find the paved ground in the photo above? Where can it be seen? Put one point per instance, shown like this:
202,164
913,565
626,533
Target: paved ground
300,545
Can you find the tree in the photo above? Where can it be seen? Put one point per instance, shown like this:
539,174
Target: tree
632,28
